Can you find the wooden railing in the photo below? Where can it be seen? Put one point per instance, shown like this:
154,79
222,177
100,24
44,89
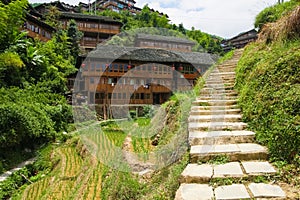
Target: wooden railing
36,35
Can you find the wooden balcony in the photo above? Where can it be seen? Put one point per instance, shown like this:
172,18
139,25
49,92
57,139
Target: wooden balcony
99,30
32,34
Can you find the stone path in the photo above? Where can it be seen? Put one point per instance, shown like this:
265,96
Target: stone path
216,130
5,175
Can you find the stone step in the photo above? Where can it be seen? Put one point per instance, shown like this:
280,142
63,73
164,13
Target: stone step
215,102
235,152
220,137
219,74
229,77
257,168
217,96
220,88
204,173
194,191
214,108
207,82
215,91
221,85
217,126
215,112
212,92
215,118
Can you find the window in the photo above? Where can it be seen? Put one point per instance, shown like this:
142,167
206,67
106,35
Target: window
124,95
114,95
109,95
116,68
98,67
121,68
125,68
110,81
142,96
103,67
132,82
92,80
119,95
147,96
137,96
92,67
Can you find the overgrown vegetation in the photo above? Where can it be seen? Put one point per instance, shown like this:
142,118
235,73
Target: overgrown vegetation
33,109
268,81
274,13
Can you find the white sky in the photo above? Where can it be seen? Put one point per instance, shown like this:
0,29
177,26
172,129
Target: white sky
225,18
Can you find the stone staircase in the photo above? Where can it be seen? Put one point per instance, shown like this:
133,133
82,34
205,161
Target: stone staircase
216,131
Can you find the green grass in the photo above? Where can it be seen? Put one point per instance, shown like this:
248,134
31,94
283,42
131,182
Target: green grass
269,87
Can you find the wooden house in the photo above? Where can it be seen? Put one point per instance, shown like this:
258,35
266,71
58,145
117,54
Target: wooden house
240,40
37,28
95,29
135,75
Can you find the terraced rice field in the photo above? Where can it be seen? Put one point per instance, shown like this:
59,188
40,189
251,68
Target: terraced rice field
73,178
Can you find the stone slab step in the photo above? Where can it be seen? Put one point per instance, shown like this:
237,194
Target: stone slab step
216,74
217,93
217,85
210,93
227,69
262,190
218,88
217,126
220,137
195,191
254,168
204,173
232,192
235,152
214,108
216,80
223,97
215,102
215,118
215,112
194,173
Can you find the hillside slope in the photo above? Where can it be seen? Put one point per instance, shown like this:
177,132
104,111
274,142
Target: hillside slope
269,86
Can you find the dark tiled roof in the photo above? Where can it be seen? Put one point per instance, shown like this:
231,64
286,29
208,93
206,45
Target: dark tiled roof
164,38
251,32
31,18
112,52
88,17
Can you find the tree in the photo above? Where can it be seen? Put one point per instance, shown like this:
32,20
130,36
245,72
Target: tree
181,28
11,19
74,38
52,17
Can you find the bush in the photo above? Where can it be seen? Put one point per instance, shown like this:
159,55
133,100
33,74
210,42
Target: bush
29,117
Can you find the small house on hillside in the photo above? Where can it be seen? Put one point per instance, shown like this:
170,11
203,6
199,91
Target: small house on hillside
240,40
